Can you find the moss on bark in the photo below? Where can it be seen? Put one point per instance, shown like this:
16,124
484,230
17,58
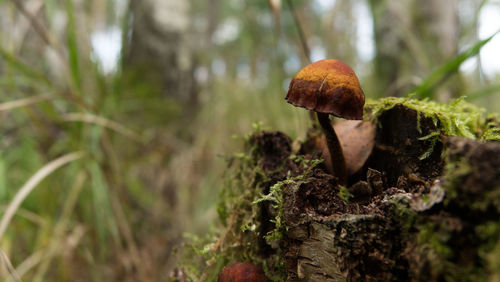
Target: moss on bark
426,206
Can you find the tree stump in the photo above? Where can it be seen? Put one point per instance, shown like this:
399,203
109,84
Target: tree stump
430,218
424,207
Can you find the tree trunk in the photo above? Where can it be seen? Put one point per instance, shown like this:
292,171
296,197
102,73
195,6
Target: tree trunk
159,52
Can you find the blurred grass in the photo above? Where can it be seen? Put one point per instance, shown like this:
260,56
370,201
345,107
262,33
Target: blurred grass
79,228
426,88
113,211
227,116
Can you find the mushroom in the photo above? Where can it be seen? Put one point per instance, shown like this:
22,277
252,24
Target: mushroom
240,272
329,87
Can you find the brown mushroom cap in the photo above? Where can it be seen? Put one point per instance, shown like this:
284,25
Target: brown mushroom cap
242,271
328,86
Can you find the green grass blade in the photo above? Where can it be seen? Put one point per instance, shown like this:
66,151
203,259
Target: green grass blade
105,222
72,45
23,68
427,87
61,227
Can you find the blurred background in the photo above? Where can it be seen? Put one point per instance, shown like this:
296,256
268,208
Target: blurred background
117,117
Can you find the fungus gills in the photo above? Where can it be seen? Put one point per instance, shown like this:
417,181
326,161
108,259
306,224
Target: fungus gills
336,154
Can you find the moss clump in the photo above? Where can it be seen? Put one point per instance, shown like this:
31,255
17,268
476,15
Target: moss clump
458,118
252,201
275,196
250,209
492,128
460,238
454,172
236,239
345,195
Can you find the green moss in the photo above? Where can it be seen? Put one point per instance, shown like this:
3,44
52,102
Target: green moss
238,238
492,128
434,243
402,214
454,172
458,118
434,239
493,259
275,196
489,233
434,236
345,195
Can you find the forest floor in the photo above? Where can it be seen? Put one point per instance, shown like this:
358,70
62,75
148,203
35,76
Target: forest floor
423,204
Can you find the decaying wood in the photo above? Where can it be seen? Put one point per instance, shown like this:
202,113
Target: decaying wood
406,194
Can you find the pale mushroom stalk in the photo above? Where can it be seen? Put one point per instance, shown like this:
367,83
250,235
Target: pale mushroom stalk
334,148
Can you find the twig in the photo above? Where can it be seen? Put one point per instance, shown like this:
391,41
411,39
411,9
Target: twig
40,29
275,6
121,219
48,40
9,267
302,37
305,47
104,122
28,215
25,102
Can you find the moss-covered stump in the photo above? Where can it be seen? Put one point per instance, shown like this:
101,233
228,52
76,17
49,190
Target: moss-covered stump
425,206
434,218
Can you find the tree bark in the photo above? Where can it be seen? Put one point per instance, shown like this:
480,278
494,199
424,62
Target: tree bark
159,51
423,225
410,215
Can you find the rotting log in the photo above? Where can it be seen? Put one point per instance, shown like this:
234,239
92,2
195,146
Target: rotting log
424,207
435,219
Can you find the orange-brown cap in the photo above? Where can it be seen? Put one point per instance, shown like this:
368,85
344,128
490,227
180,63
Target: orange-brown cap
242,271
328,86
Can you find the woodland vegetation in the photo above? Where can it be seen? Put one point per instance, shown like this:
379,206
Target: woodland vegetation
150,140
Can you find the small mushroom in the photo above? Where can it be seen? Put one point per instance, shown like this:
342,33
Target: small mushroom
242,272
329,87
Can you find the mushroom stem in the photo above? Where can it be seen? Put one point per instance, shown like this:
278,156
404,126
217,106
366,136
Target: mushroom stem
336,154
